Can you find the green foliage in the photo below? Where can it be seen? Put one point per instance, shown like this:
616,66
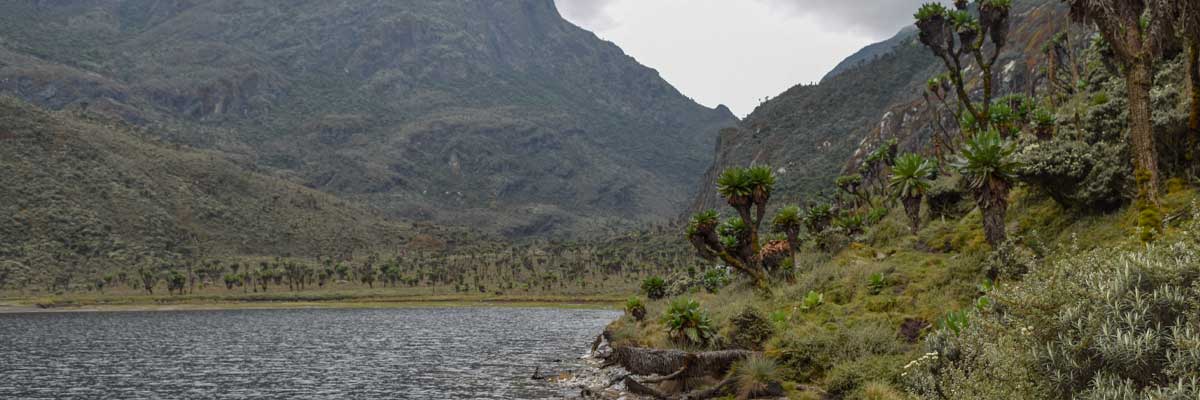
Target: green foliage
911,175
812,300
788,218
875,215
715,279
850,223
635,308
761,177
1077,174
954,321
1108,323
755,374
735,182
749,329
986,157
1009,261
688,324
818,217
945,197
930,10
876,282
654,288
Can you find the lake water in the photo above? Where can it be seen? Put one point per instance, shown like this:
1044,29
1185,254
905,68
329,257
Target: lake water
408,353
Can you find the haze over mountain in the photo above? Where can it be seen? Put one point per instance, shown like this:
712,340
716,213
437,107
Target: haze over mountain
501,116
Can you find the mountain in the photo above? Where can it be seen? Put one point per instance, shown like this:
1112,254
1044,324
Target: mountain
86,192
872,52
814,133
501,116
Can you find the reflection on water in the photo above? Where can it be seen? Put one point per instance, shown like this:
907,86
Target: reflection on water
417,353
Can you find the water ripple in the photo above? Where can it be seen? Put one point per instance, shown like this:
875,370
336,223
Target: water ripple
417,353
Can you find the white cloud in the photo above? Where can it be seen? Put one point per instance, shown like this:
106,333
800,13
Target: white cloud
737,52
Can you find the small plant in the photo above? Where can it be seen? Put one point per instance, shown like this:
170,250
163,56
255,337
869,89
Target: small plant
876,282
757,376
749,329
876,214
911,178
654,288
812,300
635,308
954,321
818,217
852,224
715,279
688,324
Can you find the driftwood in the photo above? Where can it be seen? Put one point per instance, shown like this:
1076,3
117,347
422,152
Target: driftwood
675,366
675,363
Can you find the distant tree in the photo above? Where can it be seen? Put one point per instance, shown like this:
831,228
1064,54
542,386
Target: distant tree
911,178
232,280
176,282
366,274
953,34
789,222
987,164
149,278
1138,31
735,242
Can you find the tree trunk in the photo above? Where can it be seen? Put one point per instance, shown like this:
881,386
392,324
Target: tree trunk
993,203
912,207
1193,66
1141,130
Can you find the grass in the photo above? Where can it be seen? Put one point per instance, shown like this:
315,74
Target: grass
852,344
350,297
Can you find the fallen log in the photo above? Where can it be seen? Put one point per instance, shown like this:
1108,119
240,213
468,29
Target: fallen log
676,364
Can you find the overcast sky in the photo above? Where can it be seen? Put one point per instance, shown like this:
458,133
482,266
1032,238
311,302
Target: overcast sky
735,52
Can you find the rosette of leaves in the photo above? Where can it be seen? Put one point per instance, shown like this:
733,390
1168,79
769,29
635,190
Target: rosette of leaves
654,288
911,178
688,324
988,165
635,308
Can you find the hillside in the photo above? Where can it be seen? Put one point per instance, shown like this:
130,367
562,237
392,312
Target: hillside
814,133
501,116
85,194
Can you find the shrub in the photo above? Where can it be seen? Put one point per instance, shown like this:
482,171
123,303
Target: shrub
1104,324
1009,261
688,324
715,279
1076,174
654,288
945,197
817,218
635,308
851,224
812,300
749,329
876,282
757,375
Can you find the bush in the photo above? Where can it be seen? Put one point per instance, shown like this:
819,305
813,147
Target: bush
946,198
1010,261
756,376
654,288
876,282
749,329
635,308
1105,324
715,279
1076,174
688,324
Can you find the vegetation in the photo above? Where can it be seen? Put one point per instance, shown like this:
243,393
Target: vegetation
987,163
687,324
911,178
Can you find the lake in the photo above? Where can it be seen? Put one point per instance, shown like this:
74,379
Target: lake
408,353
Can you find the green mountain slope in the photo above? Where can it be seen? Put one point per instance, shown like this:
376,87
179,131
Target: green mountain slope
85,194
497,115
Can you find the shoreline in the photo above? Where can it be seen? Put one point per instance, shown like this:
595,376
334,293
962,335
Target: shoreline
152,303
